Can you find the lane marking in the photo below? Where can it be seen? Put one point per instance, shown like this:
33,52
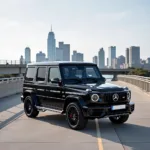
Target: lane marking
11,119
99,139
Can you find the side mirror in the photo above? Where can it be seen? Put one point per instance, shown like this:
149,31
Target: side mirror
55,80
103,79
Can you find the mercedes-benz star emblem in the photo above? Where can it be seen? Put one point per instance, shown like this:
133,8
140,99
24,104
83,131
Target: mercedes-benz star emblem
115,97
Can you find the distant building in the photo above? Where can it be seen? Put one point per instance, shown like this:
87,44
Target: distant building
101,58
143,62
66,51
148,61
46,59
51,46
111,55
77,56
134,56
115,63
95,60
59,54
127,57
27,55
107,62
21,60
121,61
40,57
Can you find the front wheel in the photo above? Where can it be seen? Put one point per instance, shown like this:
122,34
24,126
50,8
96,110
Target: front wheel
119,119
29,108
75,117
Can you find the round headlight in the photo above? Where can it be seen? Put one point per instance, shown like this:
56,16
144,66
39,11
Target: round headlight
95,97
128,95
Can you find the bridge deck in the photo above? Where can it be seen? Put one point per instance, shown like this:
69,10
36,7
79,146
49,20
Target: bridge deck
50,131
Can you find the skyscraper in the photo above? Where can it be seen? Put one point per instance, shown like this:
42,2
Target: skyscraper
66,51
121,61
95,60
127,56
40,57
148,60
101,58
111,54
77,56
27,55
115,63
51,46
107,62
21,60
134,56
59,54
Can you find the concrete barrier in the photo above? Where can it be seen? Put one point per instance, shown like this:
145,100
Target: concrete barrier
10,86
139,81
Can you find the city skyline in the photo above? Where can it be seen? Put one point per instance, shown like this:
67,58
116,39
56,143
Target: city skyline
85,25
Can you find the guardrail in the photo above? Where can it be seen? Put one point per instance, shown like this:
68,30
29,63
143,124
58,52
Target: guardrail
12,62
139,81
12,79
10,86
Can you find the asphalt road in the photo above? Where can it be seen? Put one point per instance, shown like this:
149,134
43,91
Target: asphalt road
50,131
8,102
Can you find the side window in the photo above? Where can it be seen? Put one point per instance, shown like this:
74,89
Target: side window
41,71
30,74
54,73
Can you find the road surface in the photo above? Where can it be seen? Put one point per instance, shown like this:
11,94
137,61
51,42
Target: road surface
50,131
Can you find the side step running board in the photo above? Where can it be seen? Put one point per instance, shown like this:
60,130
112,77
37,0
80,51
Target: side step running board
49,109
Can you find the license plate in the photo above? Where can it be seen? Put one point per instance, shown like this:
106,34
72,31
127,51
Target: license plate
118,107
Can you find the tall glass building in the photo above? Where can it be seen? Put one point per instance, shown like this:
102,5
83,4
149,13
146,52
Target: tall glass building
51,46
134,56
101,58
111,55
27,55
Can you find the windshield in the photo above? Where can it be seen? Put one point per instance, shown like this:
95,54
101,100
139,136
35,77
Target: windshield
74,74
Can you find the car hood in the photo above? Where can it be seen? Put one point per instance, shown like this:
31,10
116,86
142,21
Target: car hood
104,87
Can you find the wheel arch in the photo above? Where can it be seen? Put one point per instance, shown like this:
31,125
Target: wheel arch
72,98
32,94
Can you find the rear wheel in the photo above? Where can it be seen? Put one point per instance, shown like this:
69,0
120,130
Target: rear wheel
75,117
29,107
119,119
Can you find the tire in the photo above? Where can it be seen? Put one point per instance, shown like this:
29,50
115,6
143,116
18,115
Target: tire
74,117
119,119
29,108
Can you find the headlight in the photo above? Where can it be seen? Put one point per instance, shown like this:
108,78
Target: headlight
95,97
128,95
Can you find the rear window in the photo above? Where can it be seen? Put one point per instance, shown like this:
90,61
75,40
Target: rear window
30,74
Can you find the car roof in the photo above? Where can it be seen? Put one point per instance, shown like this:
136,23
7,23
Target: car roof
58,63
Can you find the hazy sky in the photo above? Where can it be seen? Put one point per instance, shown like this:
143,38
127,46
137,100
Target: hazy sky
85,24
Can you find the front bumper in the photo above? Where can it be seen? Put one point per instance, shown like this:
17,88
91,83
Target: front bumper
101,112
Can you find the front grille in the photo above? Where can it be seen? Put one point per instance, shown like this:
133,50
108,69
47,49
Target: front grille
108,97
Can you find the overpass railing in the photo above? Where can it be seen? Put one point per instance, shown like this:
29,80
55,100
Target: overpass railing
12,62
139,81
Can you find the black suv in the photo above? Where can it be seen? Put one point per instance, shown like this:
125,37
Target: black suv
76,89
